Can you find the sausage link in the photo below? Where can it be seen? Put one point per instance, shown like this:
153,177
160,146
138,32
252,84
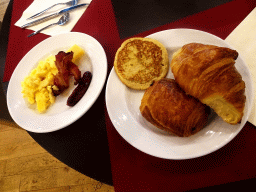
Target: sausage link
80,90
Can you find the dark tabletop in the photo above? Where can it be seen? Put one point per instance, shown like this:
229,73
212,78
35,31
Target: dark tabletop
84,145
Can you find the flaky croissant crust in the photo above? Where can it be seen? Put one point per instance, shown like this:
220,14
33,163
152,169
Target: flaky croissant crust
206,71
169,108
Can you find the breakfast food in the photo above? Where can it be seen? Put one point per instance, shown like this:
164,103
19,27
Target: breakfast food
207,72
65,68
168,107
80,90
141,61
40,86
37,86
78,53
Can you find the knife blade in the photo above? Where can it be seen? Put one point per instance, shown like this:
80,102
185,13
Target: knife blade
48,17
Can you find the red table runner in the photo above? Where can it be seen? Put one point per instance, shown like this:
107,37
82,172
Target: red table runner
132,169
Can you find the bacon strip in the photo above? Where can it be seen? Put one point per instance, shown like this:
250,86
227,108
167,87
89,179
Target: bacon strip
65,67
73,69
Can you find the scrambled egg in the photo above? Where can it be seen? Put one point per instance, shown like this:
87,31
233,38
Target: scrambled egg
38,85
78,53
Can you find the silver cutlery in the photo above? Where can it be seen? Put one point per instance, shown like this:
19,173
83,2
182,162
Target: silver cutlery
63,20
69,3
52,15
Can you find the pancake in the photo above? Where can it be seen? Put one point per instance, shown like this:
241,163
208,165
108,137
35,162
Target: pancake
141,61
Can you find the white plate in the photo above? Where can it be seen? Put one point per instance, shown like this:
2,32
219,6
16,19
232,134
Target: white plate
59,115
129,123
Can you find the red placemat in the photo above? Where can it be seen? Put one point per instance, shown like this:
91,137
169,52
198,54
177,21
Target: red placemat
132,169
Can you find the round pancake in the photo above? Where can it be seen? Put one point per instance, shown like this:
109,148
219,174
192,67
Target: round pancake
141,61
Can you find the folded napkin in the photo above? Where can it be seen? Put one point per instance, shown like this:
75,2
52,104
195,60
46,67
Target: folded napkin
243,39
39,5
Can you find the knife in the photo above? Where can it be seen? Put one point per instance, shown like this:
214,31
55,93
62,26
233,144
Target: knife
48,17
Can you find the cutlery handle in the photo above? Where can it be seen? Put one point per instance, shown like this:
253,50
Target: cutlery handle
40,20
32,34
40,13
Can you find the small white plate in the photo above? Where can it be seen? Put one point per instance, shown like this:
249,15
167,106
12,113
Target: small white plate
128,121
59,115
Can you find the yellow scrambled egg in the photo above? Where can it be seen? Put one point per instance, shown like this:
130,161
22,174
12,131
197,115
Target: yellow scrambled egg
37,86
78,53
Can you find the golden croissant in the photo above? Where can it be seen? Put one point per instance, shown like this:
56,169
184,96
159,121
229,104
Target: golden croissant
168,107
207,72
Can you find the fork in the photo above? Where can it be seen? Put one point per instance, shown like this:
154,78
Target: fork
69,3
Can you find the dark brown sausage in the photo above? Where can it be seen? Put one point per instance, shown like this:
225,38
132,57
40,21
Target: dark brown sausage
80,90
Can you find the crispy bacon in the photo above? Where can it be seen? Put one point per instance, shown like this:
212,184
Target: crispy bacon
65,67
73,69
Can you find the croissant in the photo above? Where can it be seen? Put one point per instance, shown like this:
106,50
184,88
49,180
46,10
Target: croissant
207,72
169,108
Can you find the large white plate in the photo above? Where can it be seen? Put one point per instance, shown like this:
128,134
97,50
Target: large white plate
59,115
123,108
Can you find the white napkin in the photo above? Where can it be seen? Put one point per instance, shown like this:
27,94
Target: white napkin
243,39
39,5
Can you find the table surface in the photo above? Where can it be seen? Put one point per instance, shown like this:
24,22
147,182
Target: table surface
91,143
